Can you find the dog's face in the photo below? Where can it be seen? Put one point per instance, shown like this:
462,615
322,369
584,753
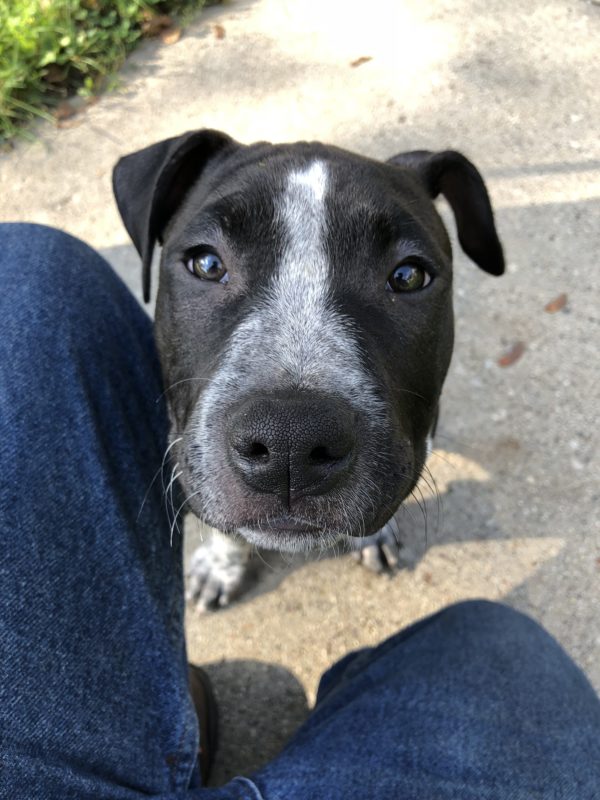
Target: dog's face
304,323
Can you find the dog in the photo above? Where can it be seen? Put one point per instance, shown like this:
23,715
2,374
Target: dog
304,325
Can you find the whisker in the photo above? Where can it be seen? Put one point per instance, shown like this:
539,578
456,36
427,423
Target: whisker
395,526
423,509
254,550
173,385
156,474
189,497
438,498
170,493
468,448
437,454
173,443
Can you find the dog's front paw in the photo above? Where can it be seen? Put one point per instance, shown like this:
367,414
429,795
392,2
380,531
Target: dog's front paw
216,571
381,552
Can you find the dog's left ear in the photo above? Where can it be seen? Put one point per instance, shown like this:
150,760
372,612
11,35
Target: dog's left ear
451,174
150,184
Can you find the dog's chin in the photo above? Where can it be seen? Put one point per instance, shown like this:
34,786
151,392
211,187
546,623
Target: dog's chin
296,535
305,529
293,533
290,537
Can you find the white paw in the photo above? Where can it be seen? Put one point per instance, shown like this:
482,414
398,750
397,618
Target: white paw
381,551
216,571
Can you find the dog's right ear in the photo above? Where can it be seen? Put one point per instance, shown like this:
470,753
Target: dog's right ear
150,185
451,174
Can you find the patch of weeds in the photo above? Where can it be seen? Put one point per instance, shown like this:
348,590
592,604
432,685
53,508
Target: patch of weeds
51,49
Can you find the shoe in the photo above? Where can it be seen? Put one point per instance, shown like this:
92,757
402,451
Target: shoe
208,718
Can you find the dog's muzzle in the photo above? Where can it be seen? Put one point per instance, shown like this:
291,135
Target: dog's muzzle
291,445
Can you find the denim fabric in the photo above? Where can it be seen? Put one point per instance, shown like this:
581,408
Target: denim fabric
94,699
474,702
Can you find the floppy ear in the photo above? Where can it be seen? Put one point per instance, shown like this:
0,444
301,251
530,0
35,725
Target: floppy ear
150,184
451,174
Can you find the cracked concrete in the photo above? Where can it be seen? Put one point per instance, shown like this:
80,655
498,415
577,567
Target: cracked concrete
517,463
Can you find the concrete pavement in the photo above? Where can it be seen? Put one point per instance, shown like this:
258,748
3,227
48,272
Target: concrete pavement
517,464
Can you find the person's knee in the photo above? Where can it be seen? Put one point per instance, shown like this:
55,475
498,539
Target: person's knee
498,624
485,613
55,285
45,266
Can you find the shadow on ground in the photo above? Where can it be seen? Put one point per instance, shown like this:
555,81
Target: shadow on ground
260,699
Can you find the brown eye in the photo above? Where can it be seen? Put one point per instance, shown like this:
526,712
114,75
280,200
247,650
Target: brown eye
409,277
207,266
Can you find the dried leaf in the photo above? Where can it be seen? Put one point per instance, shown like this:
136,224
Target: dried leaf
512,355
70,123
171,35
557,304
155,24
55,74
359,61
219,31
64,110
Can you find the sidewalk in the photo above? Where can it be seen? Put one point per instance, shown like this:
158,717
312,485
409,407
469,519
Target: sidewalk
517,463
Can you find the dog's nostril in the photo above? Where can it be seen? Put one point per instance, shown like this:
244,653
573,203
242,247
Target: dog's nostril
258,451
322,455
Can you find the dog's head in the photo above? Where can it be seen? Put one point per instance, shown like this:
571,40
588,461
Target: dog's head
304,322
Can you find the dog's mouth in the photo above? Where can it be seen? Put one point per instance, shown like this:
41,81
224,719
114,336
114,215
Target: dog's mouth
287,524
312,523
288,533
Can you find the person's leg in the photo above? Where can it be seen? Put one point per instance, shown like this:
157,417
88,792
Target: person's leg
93,677
474,703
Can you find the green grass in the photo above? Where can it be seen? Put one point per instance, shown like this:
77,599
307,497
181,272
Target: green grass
50,49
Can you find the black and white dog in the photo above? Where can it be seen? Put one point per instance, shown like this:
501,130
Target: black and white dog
304,324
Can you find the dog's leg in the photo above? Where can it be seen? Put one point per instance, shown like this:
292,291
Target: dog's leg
381,551
217,570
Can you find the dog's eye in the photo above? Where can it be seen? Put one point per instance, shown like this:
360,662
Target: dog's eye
207,266
408,277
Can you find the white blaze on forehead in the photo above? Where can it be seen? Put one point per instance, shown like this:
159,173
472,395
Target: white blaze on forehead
312,181
301,209
300,289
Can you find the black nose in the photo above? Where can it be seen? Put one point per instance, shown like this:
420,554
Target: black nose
292,445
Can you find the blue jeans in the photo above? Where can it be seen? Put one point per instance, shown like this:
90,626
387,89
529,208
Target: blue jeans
474,702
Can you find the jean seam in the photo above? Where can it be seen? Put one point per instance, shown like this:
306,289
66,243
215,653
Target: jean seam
255,790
